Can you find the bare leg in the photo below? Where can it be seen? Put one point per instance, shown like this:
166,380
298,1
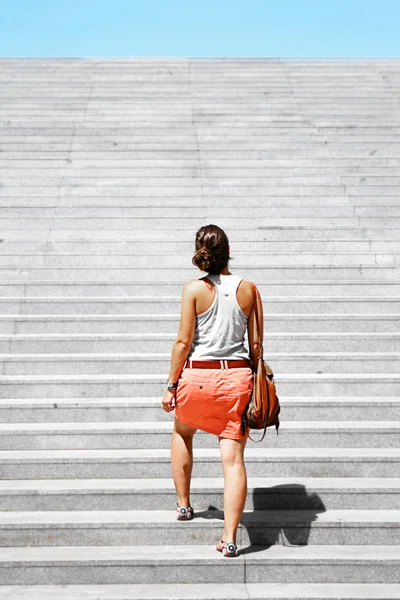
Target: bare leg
235,489
182,460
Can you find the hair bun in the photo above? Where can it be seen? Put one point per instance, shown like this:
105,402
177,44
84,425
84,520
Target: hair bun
203,259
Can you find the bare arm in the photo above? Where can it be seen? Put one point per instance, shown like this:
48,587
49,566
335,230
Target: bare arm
183,341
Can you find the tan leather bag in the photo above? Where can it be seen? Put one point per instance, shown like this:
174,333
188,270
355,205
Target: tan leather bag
263,408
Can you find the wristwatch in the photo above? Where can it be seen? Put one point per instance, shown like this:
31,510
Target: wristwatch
171,387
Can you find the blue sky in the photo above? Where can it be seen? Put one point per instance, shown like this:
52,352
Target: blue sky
200,28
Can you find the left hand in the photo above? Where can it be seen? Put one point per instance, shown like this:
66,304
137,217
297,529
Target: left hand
168,401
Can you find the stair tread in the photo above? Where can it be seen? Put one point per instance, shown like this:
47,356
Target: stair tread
161,298
318,554
160,518
159,378
175,317
154,402
203,591
252,453
156,485
167,426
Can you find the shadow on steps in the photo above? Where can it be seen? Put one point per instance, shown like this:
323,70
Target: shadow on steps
281,514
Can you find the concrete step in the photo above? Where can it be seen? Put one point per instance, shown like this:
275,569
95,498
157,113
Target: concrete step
115,188
174,260
155,343
169,323
280,202
328,288
26,141
185,223
295,408
296,233
104,248
139,363
143,464
204,591
300,494
37,156
190,211
24,147
181,261
257,528
127,163
143,564
165,274
46,203
157,435
303,201
341,305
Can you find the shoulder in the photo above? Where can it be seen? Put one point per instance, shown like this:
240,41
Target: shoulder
194,287
246,291
247,286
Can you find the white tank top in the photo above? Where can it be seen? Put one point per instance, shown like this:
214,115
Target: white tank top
220,330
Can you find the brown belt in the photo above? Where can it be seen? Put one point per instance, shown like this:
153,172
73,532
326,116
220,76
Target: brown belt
217,364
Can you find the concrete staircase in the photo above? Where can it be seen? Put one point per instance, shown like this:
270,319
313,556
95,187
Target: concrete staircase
107,169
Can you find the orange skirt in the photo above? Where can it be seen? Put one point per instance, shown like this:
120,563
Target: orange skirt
214,400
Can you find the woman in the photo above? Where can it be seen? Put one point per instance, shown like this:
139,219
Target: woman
211,378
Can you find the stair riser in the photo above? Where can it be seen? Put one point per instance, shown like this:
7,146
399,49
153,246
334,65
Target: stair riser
145,440
138,367
236,591
295,234
24,249
61,414
35,201
199,572
194,223
123,389
304,261
202,533
109,345
25,141
166,500
188,174
295,288
162,468
278,274
343,209
152,306
155,324
182,212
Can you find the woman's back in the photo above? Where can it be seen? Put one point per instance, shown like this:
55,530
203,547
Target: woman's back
221,328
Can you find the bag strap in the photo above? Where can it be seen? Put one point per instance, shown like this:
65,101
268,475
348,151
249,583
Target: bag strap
259,324
260,334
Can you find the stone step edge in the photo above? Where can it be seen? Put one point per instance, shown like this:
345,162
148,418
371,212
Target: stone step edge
154,401
206,591
144,284
204,454
175,316
161,379
190,555
199,484
166,518
308,254
114,427
176,298
171,336
119,282
161,356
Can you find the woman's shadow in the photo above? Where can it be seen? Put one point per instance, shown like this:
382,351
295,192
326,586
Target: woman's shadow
282,514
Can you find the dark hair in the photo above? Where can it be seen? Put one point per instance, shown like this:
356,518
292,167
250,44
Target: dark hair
212,249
